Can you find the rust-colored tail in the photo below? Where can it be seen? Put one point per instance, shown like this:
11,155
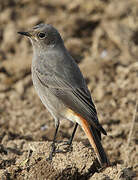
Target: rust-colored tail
95,142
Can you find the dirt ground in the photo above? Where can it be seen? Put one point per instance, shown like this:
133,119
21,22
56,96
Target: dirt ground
102,36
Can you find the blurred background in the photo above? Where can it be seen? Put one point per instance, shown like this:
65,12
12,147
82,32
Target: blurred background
102,36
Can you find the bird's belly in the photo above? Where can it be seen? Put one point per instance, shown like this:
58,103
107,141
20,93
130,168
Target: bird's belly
49,100
52,103
72,116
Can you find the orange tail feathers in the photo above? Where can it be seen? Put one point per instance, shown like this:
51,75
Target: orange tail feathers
95,142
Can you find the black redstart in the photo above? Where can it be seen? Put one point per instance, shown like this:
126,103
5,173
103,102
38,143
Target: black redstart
61,86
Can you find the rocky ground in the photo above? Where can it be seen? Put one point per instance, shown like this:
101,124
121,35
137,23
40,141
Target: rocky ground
102,36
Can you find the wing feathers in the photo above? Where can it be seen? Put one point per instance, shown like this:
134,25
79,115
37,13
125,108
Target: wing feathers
76,98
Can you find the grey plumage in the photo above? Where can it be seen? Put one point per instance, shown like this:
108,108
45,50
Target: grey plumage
57,78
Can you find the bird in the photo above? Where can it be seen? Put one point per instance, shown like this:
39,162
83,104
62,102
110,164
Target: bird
62,88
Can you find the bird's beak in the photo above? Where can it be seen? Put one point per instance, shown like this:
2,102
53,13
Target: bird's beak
25,34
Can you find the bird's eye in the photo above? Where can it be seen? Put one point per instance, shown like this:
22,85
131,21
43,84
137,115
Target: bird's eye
41,35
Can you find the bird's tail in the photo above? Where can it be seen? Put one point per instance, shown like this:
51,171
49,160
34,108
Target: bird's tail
94,140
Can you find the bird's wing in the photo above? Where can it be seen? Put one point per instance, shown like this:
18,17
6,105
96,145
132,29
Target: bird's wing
76,98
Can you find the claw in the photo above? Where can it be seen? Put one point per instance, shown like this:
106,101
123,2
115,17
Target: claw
53,148
67,143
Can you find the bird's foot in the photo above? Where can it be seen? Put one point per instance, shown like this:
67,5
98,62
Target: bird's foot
53,149
53,152
68,144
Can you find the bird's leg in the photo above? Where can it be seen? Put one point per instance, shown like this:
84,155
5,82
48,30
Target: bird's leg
53,147
72,136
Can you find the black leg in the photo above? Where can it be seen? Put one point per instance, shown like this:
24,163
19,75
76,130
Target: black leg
53,143
72,136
